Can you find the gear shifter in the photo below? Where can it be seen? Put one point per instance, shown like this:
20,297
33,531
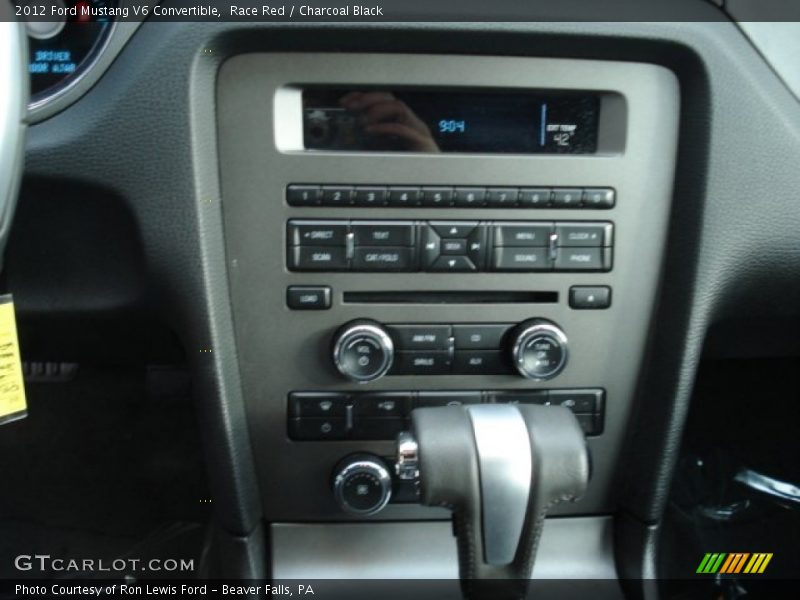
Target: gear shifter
499,468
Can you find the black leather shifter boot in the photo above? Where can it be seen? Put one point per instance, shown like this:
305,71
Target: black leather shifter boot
499,468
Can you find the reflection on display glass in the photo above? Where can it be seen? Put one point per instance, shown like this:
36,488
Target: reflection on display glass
59,46
439,121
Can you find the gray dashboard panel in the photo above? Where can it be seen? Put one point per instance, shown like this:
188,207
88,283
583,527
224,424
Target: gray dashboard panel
573,548
135,133
282,350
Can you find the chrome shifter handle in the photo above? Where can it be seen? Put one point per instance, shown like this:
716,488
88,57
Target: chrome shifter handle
499,468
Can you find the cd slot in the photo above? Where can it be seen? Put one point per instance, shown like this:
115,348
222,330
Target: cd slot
450,297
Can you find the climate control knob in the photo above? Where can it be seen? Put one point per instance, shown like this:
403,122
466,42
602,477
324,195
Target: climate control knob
362,484
539,349
363,350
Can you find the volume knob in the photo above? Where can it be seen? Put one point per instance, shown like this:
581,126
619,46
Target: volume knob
539,349
363,351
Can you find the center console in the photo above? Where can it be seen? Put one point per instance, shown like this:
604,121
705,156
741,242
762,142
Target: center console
409,231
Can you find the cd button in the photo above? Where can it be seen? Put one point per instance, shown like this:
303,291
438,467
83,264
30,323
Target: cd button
479,337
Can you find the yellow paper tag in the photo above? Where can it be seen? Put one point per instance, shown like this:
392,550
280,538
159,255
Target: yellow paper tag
12,385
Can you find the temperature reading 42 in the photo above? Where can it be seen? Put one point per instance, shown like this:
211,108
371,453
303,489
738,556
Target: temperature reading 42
452,126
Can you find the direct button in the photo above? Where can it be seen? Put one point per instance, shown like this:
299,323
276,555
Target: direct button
522,234
368,258
308,297
589,296
584,235
420,337
376,233
317,233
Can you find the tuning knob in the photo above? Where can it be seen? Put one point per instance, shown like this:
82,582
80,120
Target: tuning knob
363,350
362,484
539,349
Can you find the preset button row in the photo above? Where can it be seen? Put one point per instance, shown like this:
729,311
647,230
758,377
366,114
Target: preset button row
438,196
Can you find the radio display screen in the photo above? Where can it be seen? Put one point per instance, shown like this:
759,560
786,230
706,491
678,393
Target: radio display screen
385,120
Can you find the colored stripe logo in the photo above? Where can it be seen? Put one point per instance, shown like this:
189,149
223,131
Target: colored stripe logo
734,562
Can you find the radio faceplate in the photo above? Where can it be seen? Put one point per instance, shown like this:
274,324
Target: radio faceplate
282,350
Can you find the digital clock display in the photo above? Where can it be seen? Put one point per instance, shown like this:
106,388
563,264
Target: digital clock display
450,121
